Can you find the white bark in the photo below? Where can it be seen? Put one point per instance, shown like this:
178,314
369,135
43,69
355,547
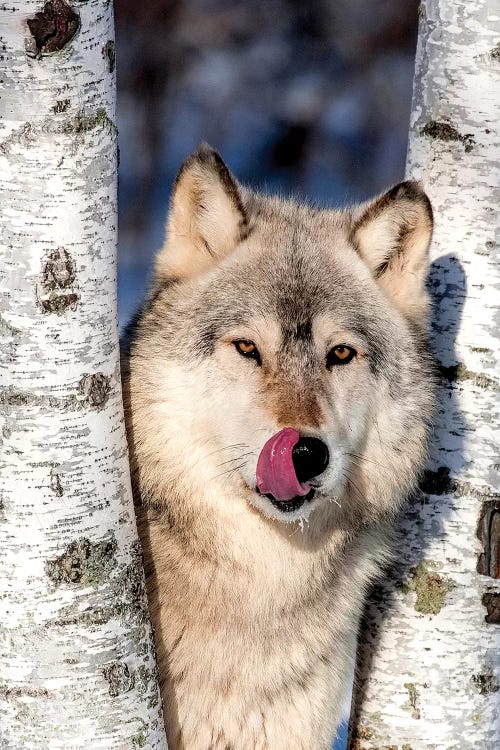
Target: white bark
429,657
77,666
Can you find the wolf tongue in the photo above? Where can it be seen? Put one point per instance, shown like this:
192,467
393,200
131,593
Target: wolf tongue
275,470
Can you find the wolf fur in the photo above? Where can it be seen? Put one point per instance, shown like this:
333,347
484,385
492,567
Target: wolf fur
255,610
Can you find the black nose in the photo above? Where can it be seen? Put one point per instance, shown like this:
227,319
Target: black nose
310,458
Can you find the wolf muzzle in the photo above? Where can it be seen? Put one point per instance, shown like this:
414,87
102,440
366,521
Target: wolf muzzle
287,463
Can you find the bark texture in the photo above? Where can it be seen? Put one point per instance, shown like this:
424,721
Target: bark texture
429,655
77,664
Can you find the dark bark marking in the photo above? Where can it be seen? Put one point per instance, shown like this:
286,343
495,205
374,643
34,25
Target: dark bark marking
58,303
95,388
134,583
363,733
23,135
9,340
459,372
443,131
119,677
486,683
130,588
436,482
58,270
355,744
488,533
83,562
55,483
356,741
13,397
7,330
26,691
491,600
127,599
88,617
27,134
61,106
57,290
489,245
495,53
94,392
449,373
440,483
143,679
83,122
53,27
108,52
139,740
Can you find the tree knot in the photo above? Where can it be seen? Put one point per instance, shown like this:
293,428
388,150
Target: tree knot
54,26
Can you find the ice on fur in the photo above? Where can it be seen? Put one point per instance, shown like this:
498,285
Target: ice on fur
282,348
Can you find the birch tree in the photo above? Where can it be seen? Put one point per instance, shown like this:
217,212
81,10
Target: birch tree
429,657
77,665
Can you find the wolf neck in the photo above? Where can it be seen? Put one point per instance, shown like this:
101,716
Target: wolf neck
222,529
239,576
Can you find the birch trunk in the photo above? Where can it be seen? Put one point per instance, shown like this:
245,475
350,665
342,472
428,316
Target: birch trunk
429,656
77,665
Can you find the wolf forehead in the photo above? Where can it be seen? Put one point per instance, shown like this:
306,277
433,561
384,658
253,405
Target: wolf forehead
294,265
294,268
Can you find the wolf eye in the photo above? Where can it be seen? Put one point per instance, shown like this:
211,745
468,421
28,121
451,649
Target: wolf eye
340,355
247,349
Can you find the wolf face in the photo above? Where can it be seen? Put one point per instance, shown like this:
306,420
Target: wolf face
268,315
278,393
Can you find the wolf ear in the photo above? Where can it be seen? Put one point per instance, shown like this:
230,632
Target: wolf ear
207,217
392,235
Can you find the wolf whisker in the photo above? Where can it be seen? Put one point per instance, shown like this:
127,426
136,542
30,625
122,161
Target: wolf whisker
352,485
236,458
361,457
231,470
219,450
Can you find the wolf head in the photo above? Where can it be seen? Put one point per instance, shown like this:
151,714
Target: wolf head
280,364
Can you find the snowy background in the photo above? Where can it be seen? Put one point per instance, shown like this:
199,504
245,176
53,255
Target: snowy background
305,97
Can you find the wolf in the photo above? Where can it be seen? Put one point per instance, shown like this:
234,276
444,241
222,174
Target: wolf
278,394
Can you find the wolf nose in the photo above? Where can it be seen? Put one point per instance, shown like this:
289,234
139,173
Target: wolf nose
310,457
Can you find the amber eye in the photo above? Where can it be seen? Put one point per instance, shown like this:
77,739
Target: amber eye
340,355
247,349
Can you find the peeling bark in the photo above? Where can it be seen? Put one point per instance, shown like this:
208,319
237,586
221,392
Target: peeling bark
429,652
77,663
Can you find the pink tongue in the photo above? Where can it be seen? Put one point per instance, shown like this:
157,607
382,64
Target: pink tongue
275,470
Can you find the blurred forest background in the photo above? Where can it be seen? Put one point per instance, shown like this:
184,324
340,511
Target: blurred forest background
309,98
306,97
